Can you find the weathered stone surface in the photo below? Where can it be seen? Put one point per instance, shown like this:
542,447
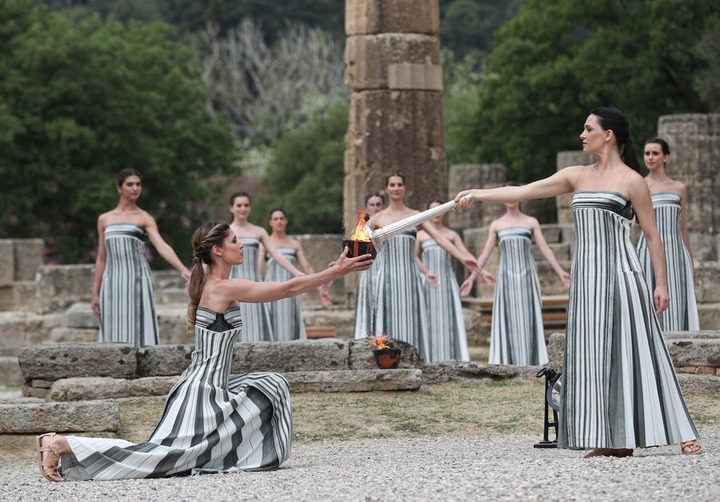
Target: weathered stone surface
20,329
361,354
705,247
59,286
700,384
354,380
320,250
299,355
94,388
163,360
10,374
85,416
28,257
461,370
473,328
7,261
79,315
65,360
369,58
392,16
342,320
556,350
707,286
709,315
464,176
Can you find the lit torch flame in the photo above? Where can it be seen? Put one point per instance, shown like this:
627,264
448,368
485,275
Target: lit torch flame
379,342
361,231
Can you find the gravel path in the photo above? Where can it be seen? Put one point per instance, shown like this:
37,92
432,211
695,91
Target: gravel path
497,467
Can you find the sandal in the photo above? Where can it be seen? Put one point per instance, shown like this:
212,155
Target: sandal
48,463
610,452
692,447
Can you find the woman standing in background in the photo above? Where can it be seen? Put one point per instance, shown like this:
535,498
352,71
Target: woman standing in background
669,198
122,292
255,316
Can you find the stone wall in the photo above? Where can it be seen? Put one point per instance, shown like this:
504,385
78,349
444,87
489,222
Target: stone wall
19,261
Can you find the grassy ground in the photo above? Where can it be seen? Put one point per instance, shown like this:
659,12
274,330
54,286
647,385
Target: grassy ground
456,409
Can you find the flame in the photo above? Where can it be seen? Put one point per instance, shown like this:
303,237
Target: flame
379,342
361,231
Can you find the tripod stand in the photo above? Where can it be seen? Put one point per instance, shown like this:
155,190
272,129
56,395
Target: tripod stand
552,402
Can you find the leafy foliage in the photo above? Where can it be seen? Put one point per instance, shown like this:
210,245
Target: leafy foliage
82,99
559,59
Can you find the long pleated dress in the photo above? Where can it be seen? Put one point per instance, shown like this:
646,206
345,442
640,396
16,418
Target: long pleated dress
682,314
256,316
127,304
619,388
516,334
364,326
212,422
446,324
400,309
286,314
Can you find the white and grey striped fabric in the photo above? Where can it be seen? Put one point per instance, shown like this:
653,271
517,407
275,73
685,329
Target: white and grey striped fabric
446,325
256,316
682,314
400,310
619,387
364,325
285,315
517,335
212,422
127,304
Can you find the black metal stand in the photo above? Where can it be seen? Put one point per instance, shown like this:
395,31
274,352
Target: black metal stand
551,378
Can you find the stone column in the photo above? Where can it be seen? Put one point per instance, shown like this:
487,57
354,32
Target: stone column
393,70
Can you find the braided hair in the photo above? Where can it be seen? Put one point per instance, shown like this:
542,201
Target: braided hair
207,236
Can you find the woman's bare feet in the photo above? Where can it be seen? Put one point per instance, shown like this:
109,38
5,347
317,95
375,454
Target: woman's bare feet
48,457
610,452
692,447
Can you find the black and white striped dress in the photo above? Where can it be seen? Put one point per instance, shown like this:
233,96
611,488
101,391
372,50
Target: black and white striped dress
447,338
682,314
364,326
127,304
517,335
619,386
400,309
256,316
212,422
286,314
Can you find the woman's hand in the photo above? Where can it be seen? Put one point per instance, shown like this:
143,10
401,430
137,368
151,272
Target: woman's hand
487,277
466,286
185,273
432,280
662,299
564,277
345,265
95,305
325,296
464,199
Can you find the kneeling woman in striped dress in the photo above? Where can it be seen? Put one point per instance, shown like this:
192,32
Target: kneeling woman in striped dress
212,421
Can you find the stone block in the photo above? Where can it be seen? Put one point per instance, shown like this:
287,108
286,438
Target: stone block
85,416
94,388
61,335
556,350
464,176
19,329
449,371
171,295
354,380
163,360
369,58
299,355
10,374
709,315
7,297
28,257
172,325
700,384
707,286
25,296
167,279
704,247
320,250
54,361
392,16
80,315
694,351
59,286
7,261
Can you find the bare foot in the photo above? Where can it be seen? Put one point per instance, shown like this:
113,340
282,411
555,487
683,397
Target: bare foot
692,447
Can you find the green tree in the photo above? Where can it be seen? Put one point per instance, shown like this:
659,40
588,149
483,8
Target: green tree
558,59
305,176
82,99
707,80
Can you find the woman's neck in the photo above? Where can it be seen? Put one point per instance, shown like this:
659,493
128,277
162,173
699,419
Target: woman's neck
125,205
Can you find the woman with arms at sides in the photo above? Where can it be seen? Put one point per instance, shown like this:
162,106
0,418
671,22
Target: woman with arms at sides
517,335
669,199
399,308
286,314
122,292
212,421
364,294
448,339
619,388
256,316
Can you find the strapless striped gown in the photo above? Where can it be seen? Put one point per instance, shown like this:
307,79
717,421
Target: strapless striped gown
619,386
212,422
256,316
447,338
127,304
286,314
517,335
682,314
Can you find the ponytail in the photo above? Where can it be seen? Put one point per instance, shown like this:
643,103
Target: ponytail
612,119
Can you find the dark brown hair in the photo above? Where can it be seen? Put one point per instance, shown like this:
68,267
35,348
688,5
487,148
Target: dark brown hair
125,174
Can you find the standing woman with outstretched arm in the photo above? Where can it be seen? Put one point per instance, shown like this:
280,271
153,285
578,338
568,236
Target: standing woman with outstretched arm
619,388
122,292
669,198
256,315
212,421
